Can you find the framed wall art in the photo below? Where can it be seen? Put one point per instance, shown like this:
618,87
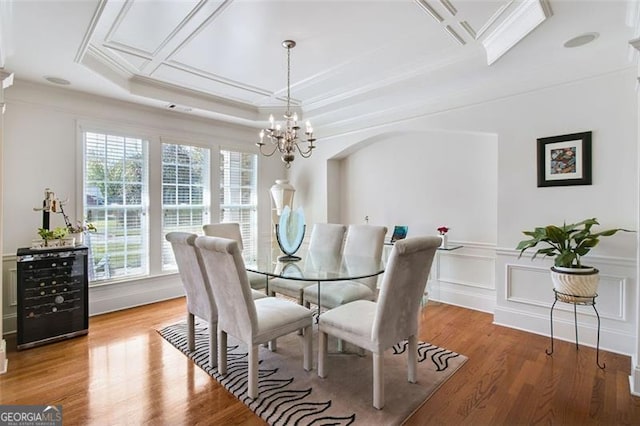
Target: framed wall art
564,160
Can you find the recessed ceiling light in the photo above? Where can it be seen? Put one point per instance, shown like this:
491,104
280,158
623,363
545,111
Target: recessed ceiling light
581,40
57,80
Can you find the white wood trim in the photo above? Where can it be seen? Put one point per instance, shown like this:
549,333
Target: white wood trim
586,311
4,363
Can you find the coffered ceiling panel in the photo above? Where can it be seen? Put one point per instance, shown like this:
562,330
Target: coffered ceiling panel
145,25
224,58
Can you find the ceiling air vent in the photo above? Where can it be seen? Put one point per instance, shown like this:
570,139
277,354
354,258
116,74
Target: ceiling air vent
179,108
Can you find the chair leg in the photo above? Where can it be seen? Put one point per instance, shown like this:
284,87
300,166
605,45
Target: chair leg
307,304
191,341
412,359
378,380
322,354
273,345
213,344
222,352
252,386
307,348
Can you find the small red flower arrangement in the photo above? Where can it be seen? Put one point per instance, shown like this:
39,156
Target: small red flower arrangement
443,230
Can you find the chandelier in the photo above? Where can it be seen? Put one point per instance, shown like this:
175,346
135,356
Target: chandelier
285,136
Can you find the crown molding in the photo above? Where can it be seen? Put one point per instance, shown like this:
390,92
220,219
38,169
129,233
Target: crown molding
86,40
522,21
226,109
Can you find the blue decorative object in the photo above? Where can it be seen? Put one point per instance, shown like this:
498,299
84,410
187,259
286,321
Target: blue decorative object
290,233
399,232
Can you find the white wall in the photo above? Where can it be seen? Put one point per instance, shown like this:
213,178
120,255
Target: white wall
424,180
40,151
605,105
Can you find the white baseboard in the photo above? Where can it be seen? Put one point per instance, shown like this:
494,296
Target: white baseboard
563,329
469,297
634,377
118,296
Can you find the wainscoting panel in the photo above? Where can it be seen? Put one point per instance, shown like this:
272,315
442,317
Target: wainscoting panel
525,295
466,269
9,293
465,277
524,283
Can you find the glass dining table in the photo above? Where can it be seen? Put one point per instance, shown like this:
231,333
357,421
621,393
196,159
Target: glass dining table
318,267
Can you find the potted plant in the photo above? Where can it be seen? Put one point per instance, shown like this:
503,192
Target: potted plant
78,230
52,237
568,244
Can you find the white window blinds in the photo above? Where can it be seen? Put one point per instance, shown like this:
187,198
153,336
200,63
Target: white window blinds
115,192
238,196
185,193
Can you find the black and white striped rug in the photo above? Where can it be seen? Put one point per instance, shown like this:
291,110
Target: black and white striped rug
290,395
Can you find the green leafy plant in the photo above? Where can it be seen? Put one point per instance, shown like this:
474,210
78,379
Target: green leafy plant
52,234
568,243
45,234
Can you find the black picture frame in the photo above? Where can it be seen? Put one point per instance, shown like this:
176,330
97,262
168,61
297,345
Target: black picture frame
564,160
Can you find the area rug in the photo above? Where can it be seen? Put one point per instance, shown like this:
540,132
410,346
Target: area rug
291,396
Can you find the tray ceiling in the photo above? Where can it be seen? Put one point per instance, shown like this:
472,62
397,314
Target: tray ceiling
224,59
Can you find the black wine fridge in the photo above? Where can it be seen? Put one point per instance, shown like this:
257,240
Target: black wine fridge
52,295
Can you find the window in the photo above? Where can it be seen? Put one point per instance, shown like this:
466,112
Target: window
238,196
116,193
185,193
137,189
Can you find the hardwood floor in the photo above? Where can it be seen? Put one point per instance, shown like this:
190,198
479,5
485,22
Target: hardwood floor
123,372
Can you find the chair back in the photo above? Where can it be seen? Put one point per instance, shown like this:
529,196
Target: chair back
200,300
327,237
225,267
367,241
224,230
402,289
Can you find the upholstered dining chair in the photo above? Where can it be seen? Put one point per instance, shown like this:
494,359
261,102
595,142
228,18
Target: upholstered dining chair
325,238
200,300
394,318
232,231
252,322
361,240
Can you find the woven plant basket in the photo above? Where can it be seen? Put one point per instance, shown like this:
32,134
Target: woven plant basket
576,284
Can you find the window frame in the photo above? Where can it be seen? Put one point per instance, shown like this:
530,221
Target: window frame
241,150
146,148
155,137
206,196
